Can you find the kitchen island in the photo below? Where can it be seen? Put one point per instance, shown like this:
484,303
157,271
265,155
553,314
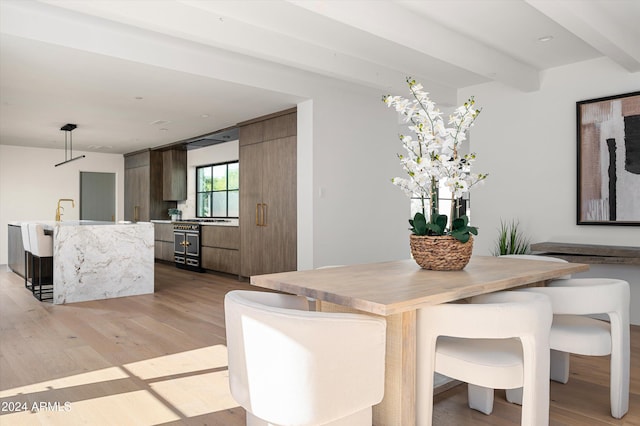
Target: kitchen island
100,260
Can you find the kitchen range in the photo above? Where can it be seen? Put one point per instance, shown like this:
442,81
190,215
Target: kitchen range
187,242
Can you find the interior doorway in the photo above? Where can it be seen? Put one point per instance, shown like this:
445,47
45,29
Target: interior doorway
98,196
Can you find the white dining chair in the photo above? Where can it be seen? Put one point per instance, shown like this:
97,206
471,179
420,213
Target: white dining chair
575,331
537,257
500,340
26,243
291,366
41,250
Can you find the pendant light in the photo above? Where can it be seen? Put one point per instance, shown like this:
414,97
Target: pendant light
68,128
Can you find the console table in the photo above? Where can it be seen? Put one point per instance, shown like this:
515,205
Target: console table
589,253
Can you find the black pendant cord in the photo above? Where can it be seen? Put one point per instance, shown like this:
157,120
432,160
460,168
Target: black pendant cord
68,128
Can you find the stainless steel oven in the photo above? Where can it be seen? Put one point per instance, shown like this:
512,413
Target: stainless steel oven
187,246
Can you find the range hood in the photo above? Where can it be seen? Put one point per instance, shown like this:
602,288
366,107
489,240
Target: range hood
222,136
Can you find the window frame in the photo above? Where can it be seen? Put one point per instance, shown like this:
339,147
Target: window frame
226,191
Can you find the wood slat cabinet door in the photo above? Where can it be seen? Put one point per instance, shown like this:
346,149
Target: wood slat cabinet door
220,248
143,187
174,175
136,190
268,209
279,204
163,235
251,237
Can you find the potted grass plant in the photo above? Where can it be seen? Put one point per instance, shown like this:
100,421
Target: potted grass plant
511,239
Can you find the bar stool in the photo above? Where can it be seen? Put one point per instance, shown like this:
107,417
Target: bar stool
24,228
41,248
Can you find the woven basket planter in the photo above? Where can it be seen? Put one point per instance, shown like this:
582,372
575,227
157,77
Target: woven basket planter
441,253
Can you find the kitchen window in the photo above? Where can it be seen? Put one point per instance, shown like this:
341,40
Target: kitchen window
217,190
444,203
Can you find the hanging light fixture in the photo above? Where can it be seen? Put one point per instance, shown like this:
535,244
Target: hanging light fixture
68,128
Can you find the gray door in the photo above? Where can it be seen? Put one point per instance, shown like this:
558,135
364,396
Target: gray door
98,196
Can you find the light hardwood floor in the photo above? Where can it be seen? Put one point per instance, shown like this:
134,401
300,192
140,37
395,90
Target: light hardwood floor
160,360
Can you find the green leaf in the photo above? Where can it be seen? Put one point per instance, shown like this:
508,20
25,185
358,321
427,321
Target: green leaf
441,221
461,236
435,229
419,224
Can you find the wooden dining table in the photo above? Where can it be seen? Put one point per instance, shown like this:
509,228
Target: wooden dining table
396,290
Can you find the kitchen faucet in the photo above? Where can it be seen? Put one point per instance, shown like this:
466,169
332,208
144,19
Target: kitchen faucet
58,214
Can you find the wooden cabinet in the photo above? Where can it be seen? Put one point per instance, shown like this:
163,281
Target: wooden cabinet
163,236
268,222
143,187
220,248
174,175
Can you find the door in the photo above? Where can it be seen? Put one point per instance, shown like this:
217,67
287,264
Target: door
279,200
179,246
251,165
136,194
98,196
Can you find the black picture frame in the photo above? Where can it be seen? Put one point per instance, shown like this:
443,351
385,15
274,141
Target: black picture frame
608,131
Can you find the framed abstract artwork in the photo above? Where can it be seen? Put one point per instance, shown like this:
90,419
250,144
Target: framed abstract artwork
609,160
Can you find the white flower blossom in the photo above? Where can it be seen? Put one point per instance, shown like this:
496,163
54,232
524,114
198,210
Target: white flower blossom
433,155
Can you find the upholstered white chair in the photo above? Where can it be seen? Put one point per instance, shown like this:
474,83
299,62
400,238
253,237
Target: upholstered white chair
538,257
26,243
290,366
575,332
500,340
41,250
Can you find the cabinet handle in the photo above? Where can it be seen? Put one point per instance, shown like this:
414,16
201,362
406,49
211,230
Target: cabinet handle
264,214
258,214
136,213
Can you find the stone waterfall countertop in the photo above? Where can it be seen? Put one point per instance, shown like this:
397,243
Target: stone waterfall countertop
95,260
49,224
102,260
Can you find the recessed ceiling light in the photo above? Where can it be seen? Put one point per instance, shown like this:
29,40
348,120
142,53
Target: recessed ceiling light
546,38
204,115
158,122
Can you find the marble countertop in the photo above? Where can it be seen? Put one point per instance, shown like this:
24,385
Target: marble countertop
51,223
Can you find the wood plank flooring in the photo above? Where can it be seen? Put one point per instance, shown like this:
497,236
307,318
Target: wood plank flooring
161,360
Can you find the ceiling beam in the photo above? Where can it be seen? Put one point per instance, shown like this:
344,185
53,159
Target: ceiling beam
392,21
231,26
592,22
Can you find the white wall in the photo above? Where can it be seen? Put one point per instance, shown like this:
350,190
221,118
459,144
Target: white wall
527,143
358,214
220,153
30,185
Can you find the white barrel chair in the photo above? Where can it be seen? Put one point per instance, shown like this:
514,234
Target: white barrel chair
537,257
500,340
290,366
41,250
573,331
26,244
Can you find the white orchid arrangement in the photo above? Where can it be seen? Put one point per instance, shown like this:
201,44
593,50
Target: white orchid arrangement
434,157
